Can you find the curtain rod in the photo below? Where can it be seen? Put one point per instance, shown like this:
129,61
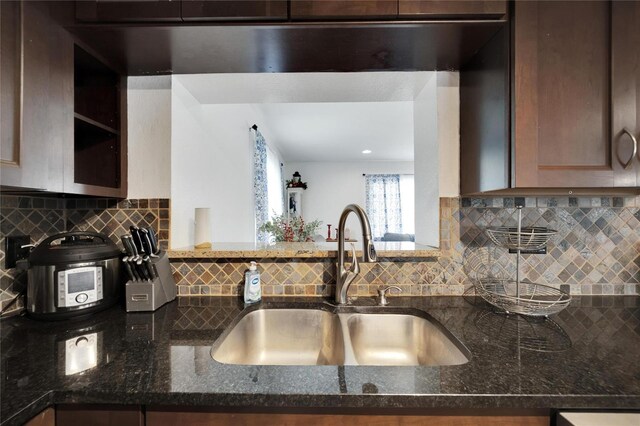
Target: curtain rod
254,127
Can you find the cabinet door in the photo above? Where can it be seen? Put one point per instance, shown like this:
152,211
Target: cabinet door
127,10
208,10
483,9
175,418
353,9
43,121
98,415
626,91
47,417
562,132
10,83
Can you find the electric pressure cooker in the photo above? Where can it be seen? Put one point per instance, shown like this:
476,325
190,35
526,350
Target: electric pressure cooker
73,274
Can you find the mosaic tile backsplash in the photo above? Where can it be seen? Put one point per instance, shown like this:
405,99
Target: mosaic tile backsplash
596,251
35,216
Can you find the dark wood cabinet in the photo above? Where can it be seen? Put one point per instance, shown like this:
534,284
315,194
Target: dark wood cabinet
562,133
127,10
177,418
96,162
207,10
99,415
37,96
574,89
626,91
46,145
462,9
343,9
45,418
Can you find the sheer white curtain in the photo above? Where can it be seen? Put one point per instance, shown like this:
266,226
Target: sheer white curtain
383,204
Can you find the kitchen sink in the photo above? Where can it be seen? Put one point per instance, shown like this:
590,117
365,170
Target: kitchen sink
284,337
391,339
379,336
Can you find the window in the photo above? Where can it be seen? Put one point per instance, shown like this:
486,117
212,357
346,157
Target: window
390,206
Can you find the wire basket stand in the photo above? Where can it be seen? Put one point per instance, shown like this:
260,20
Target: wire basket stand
518,297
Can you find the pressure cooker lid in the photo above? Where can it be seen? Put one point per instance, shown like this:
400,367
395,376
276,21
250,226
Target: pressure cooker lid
72,247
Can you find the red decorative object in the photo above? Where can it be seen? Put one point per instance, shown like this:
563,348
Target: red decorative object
328,232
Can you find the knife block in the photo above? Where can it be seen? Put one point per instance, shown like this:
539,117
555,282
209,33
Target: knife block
149,295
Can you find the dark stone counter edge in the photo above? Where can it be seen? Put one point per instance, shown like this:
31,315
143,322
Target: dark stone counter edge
397,403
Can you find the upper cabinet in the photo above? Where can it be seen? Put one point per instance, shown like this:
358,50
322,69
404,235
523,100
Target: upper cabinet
118,11
36,111
203,10
563,134
625,119
128,10
462,9
574,90
96,162
61,109
345,9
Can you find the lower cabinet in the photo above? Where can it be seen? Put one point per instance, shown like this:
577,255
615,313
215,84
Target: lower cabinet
112,415
172,418
46,418
99,415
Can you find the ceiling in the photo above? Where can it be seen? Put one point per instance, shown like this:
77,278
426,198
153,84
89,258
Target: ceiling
305,87
339,132
324,116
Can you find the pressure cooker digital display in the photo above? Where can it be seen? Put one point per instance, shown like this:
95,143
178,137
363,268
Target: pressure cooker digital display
81,281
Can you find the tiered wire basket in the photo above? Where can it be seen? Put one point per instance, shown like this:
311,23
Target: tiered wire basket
518,297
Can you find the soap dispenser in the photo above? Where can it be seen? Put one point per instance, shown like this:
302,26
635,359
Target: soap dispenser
252,289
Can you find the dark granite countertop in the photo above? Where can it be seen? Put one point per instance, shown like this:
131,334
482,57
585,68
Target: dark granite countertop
587,357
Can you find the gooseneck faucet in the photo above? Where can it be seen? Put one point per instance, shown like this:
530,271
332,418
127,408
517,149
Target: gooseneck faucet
346,276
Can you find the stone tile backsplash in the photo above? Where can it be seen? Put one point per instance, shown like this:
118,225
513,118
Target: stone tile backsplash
113,217
38,217
596,251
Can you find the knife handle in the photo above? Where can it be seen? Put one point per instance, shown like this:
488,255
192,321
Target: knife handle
129,247
149,266
146,241
142,269
137,239
127,267
154,240
134,270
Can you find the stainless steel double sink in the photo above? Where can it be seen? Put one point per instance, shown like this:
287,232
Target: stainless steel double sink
337,336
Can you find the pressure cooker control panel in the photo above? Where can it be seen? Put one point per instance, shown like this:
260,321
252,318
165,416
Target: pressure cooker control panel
79,286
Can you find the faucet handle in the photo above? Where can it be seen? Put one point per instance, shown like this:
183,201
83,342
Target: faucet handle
382,294
355,265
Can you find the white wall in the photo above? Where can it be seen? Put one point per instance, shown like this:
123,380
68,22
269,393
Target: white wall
212,152
425,125
332,186
149,136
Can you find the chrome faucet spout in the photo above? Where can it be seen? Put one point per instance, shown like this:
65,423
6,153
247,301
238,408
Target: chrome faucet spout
346,276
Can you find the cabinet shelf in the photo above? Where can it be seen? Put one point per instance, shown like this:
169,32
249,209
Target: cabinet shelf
99,125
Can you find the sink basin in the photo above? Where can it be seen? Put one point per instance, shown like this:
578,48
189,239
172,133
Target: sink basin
343,337
284,337
400,340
